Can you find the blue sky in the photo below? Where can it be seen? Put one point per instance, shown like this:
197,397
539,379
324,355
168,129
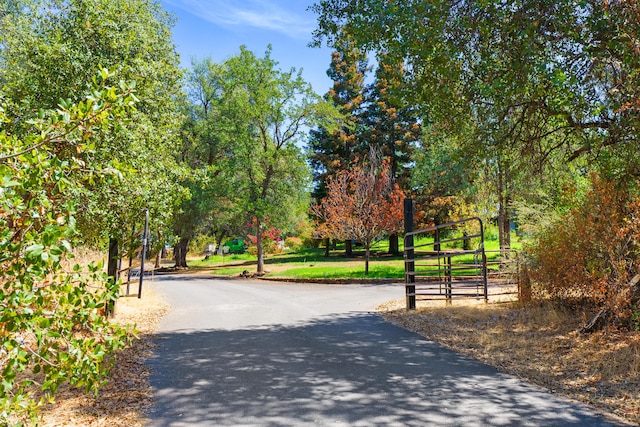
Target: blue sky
217,28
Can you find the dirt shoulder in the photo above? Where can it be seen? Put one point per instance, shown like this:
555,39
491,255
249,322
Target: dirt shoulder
124,400
540,345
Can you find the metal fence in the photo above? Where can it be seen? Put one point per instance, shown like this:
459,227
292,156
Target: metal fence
441,264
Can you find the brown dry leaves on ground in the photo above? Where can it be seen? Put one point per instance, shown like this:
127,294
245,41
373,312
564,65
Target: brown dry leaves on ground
124,400
539,344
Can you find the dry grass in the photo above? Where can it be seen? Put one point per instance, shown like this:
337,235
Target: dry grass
127,396
540,344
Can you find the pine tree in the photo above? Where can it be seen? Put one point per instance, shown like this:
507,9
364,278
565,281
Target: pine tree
334,151
392,125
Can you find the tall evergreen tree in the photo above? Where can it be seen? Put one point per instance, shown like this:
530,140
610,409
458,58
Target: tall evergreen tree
335,150
392,125
533,83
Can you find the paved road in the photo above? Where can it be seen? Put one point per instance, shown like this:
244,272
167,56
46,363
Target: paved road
249,353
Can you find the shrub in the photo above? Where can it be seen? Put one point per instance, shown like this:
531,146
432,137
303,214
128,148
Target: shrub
293,243
252,250
52,324
591,253
200,243
304,230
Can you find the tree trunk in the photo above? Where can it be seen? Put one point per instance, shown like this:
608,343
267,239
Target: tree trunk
260,269
466,243
366,259
326,249
348,248
112,263
219,242
504,217
180,252
604,316
394,247
596,323
112,272
436,240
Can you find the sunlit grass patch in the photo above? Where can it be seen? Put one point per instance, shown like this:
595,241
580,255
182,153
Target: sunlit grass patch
388,270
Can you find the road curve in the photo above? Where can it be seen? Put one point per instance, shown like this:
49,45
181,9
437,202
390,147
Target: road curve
255,353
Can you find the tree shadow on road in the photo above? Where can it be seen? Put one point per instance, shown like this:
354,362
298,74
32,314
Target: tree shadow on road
351,370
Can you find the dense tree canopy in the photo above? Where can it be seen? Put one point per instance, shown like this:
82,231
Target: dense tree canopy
81,155
332,151
549,76
391,125
50,50
246,123
524,99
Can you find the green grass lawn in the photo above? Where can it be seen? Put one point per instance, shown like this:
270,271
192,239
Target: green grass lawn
311,263
220,260
377,270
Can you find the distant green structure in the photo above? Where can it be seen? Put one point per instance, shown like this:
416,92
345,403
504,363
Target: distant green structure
234,246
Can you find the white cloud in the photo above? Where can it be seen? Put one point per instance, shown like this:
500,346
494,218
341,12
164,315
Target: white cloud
261,14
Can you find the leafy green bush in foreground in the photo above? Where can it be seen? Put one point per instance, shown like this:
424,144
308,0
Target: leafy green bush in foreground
52,324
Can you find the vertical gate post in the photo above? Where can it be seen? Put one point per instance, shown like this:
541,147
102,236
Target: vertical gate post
485,281
485,273
448,279
410,278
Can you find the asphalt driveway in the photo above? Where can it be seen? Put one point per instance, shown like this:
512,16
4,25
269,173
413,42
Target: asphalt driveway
254,353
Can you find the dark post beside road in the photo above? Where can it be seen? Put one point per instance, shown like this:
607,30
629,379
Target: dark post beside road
410,278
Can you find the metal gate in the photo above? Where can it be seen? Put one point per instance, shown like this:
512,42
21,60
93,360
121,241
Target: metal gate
448,267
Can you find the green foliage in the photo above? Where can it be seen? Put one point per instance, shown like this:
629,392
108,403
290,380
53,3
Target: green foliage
246,125
211,206
52,324
522,87
333,149
200,244
390,124
50,49
635,317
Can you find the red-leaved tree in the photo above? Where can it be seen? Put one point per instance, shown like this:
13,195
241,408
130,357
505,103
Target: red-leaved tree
362,203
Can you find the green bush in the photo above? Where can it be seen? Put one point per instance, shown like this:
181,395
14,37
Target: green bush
200,244
53,328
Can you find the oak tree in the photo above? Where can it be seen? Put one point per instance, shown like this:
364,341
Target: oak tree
50,50
258,114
